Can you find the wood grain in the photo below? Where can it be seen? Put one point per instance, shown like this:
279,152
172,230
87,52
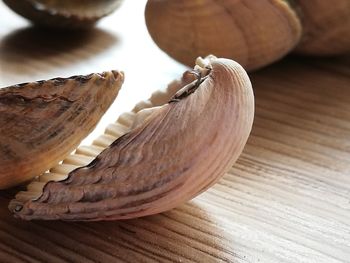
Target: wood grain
287,199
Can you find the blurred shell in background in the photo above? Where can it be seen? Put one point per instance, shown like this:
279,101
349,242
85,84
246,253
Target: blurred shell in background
254,33
326,26
63,13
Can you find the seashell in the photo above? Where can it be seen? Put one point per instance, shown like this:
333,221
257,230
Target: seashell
176,147
254,33
39,120
63,13
326,26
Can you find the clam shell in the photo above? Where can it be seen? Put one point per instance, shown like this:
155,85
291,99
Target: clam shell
63,13
254,33
180,149
42,122
326,27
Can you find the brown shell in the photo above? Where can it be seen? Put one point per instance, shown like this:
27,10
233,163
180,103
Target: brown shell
326,26
180,150
254,33
42,122
63,13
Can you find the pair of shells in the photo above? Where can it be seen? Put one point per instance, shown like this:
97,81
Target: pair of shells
164,152
254,33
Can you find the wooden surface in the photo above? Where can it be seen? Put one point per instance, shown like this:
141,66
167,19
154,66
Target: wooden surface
287,199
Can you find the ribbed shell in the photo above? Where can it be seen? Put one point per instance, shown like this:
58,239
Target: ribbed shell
42,122
63,13
181,150
326,26
254,33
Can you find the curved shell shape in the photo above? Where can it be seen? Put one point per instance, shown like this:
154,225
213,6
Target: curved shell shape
42,122
254,33
63,13
326,27
179,150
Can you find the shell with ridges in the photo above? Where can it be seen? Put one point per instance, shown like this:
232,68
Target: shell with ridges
63,13
254,33
326,26
180,149
39,120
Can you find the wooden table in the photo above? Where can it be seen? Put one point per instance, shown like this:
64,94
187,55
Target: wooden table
287,199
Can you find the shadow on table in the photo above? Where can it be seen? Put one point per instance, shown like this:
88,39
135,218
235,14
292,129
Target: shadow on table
34,49
303,105
182,234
